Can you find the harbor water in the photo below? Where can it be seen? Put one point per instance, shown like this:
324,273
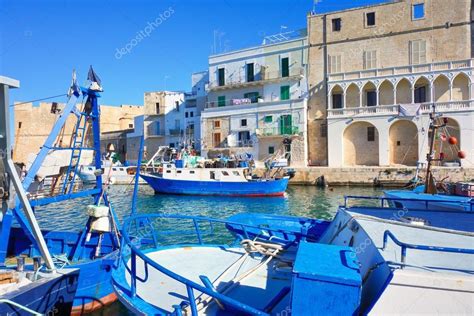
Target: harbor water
306,201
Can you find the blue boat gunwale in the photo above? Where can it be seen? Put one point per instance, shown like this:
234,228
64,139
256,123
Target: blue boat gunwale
121,268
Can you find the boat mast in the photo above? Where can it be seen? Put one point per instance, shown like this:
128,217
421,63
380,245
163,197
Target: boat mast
5,145
429,187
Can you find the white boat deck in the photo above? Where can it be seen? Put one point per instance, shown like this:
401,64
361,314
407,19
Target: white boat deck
431,282
258,281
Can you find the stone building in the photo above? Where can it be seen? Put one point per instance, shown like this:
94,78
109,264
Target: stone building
34,123
374,73
256,98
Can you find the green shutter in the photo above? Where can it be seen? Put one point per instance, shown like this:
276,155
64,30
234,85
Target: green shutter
285,125
284,92
221,76
285,67
221,100
268,119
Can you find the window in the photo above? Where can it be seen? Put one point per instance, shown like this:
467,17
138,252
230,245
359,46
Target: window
225,173
157,107
191,114
236,173
335,64
337,101
221,76
371,133
253,96
250,72
129,126
370,19
244,139
268,119
271,150
323,130
221,100
171,145
177,124
168,171
186,114
418,11
336,25
179,171
370,59
418,52
217,124
284,92
243,122
371,98
212,175
192,172
19,124
420,94
176,103
285,67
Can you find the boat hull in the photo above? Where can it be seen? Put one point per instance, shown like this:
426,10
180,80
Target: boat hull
94,287
422,201
48,296
255,188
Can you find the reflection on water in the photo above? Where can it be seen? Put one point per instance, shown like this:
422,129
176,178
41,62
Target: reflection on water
306,201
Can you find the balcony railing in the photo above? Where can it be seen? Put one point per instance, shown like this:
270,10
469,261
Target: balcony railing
238,144
402,70
394,110
278,131
263,76
175,131
249,102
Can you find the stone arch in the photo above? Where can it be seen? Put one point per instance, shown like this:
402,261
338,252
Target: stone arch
403,143
336,90
352,96
386,96
369,90
461,85
450,151
403,89
361,144
422,83
441,89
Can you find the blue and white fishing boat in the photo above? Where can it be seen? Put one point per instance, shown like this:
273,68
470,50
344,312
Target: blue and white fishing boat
92,249
235,178
436,194
368,260
25,288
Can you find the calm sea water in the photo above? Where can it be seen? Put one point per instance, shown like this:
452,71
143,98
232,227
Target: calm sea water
306,201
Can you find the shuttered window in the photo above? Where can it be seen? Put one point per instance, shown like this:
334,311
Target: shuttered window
284,92
285,67
370,59
335,65
418,52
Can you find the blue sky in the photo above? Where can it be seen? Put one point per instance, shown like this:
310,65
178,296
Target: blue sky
42,41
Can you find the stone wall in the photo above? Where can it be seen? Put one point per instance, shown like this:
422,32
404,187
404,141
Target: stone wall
33,125
446,28
373,176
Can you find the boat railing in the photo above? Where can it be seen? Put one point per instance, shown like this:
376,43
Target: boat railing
384,201
20,307
131,253
405,246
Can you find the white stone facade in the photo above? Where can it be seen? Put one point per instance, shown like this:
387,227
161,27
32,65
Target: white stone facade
256,98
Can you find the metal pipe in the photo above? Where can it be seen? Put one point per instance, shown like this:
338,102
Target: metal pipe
5,139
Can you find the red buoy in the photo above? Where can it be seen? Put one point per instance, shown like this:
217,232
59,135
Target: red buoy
461,154
453,140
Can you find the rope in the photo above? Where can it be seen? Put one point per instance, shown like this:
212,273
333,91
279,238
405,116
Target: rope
42,99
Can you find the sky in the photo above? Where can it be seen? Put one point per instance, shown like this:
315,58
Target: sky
134,46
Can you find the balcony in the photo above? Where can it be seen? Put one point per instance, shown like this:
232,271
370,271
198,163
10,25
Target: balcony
247,102
239,81
402,70
278,131
175,132
394,110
